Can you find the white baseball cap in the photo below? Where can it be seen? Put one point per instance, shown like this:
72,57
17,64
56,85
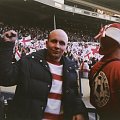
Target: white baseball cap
111,30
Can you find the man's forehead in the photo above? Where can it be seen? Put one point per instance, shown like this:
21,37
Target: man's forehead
58,33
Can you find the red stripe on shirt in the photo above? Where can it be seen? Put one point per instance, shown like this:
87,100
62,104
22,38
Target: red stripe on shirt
55,96
51,116
56,77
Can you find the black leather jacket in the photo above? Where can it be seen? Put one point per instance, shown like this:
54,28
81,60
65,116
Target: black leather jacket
33,79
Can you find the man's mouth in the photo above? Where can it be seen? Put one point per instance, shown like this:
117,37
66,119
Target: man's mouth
56,52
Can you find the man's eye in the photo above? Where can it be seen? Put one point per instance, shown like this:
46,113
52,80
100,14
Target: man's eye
55,41
62,43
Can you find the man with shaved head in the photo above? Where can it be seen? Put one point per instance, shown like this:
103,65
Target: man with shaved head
46,81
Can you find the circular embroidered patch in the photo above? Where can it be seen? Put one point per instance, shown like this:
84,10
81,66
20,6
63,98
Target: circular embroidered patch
101,90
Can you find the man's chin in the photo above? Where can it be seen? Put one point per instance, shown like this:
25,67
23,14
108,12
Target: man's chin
101,53
104,52
56,57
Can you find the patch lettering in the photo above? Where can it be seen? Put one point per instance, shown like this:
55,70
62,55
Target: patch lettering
101,90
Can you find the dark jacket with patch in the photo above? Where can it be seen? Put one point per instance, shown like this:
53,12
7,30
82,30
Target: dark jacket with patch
105,88
33,79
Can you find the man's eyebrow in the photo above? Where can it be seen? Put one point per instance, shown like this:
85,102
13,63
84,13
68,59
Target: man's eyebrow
60,41
53,39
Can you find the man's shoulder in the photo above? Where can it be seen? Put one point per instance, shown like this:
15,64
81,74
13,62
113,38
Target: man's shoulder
111,66
38,54
70,63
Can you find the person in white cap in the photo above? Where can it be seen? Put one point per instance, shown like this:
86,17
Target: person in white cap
104,77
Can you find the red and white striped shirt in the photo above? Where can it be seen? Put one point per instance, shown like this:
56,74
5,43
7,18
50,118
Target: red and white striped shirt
53,108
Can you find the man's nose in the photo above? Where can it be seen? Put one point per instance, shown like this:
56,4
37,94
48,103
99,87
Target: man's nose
58,45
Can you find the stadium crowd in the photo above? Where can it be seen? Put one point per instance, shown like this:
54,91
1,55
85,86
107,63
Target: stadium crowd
32,39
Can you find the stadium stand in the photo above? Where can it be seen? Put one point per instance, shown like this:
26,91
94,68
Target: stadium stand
33,21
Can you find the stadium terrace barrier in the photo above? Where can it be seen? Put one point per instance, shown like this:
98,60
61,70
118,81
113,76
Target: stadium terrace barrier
68,8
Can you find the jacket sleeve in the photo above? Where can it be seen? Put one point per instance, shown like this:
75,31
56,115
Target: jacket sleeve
9,71
79,106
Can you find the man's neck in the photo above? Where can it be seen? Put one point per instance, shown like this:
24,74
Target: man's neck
50,59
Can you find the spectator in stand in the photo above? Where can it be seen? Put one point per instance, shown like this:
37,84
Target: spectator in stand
85,69
105,75
93,61
46,81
